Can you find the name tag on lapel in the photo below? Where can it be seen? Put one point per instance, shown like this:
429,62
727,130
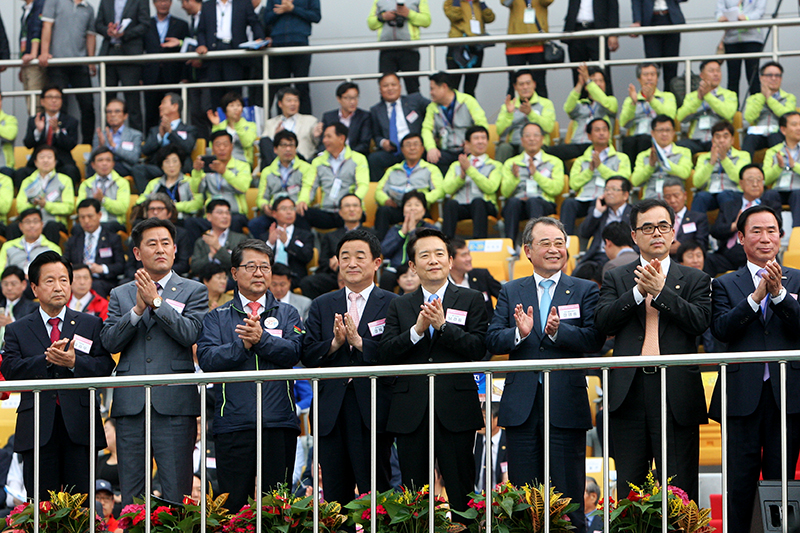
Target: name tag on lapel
82,344
176,305
566,312
454,316
689,227
105,253
376,327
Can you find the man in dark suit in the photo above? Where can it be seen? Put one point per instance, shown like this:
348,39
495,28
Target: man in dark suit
121,39
611,206
344,329
730,254
227,35
590,498
662,44
450,328
325,279
655,306
294,246
689,225
55,343
601,15
546,316
356,119
153,322
97,247
464,275
408,112
755,310
499,451
14,304
619,245
55,128
171,130
165,34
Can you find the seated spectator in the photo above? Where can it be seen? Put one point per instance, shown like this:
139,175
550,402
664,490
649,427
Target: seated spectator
662,160
337,171
222,178
530,181
96,246
407,279
763,110
586,102
716,173
301,125
730,254
781,167
447,119
393,245
124,142
283,176
691,254
49,191
394,117
280,287
216,244
463,274
55,128
689,225
84,299
172,130
325,278
472,183
619,246
20,252
640,108
591,170
356,119
8,135
706,106
243,132
6,199
215,277
14,303
109,188
293,246
611,206
159,205
174,183
105,500
514,114
412,174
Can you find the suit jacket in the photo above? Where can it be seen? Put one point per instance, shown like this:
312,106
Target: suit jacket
185,136
327,247
64,140
304,129
721,230
456,405
109,245
170,72
593,227
595,525
23,358
300,250
643,12
223,256
700,235
575,337
622,259
160,343
23,308
242,17
125,155
606,14
360,129
502,457
413,105
482,281
745,330
684,307
301,303
132,42
317,342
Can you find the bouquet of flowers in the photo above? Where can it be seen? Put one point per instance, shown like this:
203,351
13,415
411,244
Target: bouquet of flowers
521,510
640,512
165,517
403,511
64,513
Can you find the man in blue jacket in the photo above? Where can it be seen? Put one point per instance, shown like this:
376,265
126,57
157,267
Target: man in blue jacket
252,332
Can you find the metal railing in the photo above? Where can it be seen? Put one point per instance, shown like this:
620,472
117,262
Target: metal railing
374,372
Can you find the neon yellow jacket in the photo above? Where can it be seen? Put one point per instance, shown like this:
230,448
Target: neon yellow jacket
247,134
551,183
615,164
8,134
484,180
62,205
731,167
542,113
116,199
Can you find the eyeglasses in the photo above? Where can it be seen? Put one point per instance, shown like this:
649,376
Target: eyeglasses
156,209
772,75
612,189
558,243
649,229
349,98
285,208
52,96
113,111
664,130
250,268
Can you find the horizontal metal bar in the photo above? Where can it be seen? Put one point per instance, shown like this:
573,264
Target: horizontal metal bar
403,370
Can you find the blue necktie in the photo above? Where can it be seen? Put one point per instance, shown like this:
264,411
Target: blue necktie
544,304
393,127
280,253
431,298
765,301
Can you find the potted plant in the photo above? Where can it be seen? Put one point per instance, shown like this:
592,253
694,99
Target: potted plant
63,513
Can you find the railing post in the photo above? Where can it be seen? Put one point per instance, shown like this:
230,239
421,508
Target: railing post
203,448
664,439
315,450
259,458
784,449
431,456
546,495
265,87
92,457
373,445
36,457
775,41
101,83
432,59
148,461
723,376
606,465
487,449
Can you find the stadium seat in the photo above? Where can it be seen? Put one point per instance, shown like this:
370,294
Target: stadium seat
81,155
791,258
252,202
493,140
710,434
594,469
737,127
199,148
494,255
21,155
370,205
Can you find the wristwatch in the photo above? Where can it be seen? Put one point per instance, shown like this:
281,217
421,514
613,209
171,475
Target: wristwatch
442,328
157,302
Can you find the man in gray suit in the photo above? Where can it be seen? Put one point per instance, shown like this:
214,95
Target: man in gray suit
124,141
280,285
153,321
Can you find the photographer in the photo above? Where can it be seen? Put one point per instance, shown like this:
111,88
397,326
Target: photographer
467,19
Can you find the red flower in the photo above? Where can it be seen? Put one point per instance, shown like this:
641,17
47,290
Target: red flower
680,493
479,505
161,509
634,496
45,507
380,509
366,515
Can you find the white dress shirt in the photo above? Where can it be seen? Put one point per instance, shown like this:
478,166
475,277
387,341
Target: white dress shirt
361,303
224,19
665,263
753,268
402,125
261,301
415,338
539,293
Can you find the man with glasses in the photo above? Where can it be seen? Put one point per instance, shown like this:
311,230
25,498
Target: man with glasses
124,141
356,119
160,206
662,160
655,307
548,315
763,110
252,332
781,168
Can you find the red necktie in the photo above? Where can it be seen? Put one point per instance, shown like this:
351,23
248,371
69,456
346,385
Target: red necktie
255,307
49,135
55,334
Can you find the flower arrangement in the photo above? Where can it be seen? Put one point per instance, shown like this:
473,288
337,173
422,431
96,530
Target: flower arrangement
165,517
283,512
402,511
63,513
640,511
521,510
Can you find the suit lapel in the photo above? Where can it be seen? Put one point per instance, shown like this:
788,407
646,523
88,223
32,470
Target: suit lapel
374,303
675,282
69,325
39,332
629,282
172,291
564,291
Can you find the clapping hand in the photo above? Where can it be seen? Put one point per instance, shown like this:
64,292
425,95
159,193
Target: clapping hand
524,320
